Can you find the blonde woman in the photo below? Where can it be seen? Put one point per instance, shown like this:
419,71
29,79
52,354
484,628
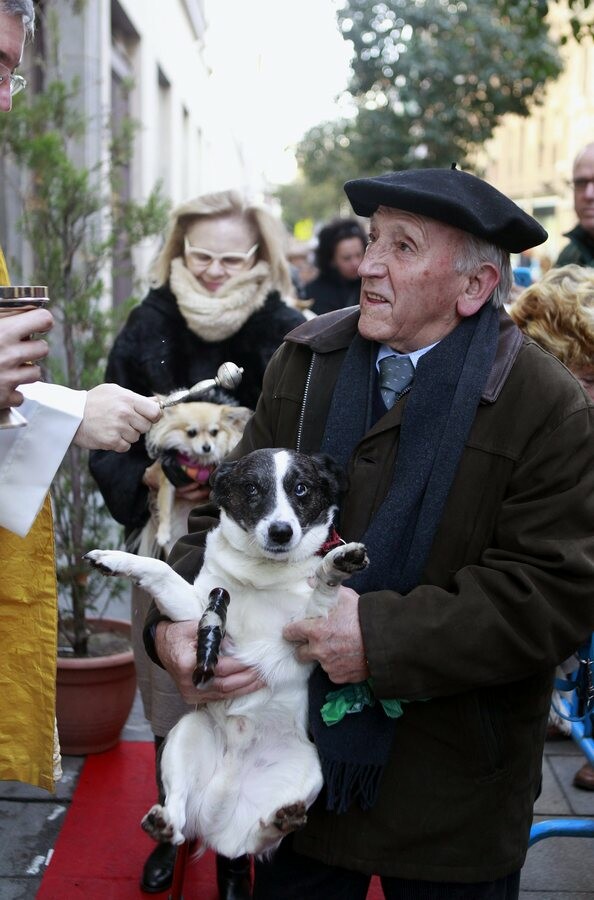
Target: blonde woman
558,313
219,293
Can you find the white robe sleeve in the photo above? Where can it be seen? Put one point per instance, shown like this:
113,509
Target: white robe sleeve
30,455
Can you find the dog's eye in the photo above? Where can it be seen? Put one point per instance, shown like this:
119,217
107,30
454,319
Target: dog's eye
191,432
213,432
300,489
251,489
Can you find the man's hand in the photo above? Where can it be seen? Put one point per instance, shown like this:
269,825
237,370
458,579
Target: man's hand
17,352
335,642
195,493
114,418
175,643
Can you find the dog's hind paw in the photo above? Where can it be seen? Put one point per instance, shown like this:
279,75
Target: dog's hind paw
290,818
159,827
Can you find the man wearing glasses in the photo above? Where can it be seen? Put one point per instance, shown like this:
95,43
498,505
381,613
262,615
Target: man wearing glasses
106,417
580,249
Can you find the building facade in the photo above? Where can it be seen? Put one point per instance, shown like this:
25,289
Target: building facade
143,59
531,159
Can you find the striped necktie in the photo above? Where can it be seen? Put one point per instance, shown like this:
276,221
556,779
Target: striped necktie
396,373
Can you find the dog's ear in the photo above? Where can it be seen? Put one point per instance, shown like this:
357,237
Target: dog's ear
236,416
329,470
218,479
154,438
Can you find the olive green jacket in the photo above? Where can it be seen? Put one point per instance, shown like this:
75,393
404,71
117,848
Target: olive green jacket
508,592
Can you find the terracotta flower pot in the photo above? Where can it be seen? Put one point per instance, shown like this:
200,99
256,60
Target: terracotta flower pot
95,696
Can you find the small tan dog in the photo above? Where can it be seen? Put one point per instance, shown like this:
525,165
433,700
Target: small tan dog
188,442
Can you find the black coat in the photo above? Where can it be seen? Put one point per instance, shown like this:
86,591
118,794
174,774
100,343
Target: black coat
156,353
580,249
331,291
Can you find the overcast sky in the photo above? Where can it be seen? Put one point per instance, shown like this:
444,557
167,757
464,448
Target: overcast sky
285,62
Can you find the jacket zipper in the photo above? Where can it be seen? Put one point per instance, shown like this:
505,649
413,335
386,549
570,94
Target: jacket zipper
304,404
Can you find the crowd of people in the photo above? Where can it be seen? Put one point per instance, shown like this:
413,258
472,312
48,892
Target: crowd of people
462,413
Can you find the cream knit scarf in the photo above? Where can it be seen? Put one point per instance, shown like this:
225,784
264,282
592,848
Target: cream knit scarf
214,317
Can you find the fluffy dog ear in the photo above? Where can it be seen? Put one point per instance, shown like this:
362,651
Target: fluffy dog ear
236,416
329,470
155,435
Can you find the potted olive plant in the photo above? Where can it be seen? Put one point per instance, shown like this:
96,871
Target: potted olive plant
78,228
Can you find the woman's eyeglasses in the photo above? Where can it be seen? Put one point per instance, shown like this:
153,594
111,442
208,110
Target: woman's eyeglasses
17,82
233,262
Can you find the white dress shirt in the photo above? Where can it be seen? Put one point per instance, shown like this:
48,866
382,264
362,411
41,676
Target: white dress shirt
414,355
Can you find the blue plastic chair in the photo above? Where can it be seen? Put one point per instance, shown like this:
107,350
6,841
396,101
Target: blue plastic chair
579,711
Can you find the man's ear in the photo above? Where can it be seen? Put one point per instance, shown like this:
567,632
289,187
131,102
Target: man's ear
479,287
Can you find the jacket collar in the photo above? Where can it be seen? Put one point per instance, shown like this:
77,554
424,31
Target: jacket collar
335,330
581,236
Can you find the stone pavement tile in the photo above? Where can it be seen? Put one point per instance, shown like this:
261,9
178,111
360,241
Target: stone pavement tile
18,888
71,767
30,822
137,728
559,864
564,768
552,800
28,831
562,748
556,895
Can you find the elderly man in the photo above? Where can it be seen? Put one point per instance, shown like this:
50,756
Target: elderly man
107,417
469,454
580,249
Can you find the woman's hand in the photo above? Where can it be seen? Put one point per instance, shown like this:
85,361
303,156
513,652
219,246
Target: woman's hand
196,493
152,476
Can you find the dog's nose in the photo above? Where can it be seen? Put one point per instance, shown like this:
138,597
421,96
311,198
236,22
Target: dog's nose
280,532
206,448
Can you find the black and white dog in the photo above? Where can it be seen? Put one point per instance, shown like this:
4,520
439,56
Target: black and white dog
240,774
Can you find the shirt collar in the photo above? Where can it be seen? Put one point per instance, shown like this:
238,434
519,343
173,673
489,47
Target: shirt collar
414,357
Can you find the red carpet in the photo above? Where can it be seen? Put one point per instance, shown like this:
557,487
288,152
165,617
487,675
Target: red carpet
101,848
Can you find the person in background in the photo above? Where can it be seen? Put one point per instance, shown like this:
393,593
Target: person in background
218,292
108,417
558,313
300,258
469,455
580,249
522,277
340,249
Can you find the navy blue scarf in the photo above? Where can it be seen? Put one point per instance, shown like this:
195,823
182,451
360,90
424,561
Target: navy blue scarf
440,410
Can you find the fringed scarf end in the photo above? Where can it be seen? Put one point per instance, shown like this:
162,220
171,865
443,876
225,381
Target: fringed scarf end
349,782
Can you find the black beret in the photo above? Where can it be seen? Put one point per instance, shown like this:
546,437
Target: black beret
450,196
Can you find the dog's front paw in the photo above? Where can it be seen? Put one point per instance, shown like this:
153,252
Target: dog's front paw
157,824
163,535
349,558
108,562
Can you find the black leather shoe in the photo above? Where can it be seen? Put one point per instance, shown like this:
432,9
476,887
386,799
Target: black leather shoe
234,878
157,874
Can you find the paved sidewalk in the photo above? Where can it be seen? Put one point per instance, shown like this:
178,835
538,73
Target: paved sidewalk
556,868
